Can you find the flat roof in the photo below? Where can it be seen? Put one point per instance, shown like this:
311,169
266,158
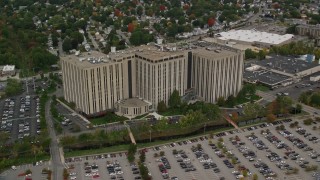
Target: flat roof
287,64
254,36
133,102
209,49
265,77
152,53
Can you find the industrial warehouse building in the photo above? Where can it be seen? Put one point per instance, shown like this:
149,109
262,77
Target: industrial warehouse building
133,81
276,71
253,37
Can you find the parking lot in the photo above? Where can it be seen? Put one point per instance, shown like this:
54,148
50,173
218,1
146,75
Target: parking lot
72,122
264,150
269,154
20,116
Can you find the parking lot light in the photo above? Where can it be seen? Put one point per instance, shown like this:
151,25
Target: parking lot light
204,128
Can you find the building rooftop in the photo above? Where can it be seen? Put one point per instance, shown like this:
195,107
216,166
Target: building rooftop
133,102
265,77
254,36
209,49
8,68
152,53
287,64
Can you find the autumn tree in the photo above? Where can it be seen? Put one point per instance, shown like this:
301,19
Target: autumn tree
234,117
271,118
211,22
130,27
162,7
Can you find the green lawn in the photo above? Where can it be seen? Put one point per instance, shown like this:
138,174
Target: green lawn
108,118
248,99
98,151
262,88
171,112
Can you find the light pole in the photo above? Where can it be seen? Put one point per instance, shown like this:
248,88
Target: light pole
150,134
34,86
26,80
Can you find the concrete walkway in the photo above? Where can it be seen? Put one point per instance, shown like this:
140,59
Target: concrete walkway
133,141
226,117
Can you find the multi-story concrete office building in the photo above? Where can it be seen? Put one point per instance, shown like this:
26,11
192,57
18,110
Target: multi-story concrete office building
146,75
308,30
216,72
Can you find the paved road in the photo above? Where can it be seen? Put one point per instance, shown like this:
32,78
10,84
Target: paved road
94,42
57,165
61,52
123,36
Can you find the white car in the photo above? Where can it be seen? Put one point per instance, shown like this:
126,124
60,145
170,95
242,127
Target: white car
73,177
119,172
95,170
73,174
88,174
95,173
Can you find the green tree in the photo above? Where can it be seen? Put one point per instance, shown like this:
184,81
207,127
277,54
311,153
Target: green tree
4,136
291,29
67,45
304,97
162,124
192,118
221,102
249,54
172,30
142,156
315,99
285,103
252,110
255,176
231,101
174,99
139,10
181,20
13,87
77,37
298,108
162,107
139,37
262,54
162,153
